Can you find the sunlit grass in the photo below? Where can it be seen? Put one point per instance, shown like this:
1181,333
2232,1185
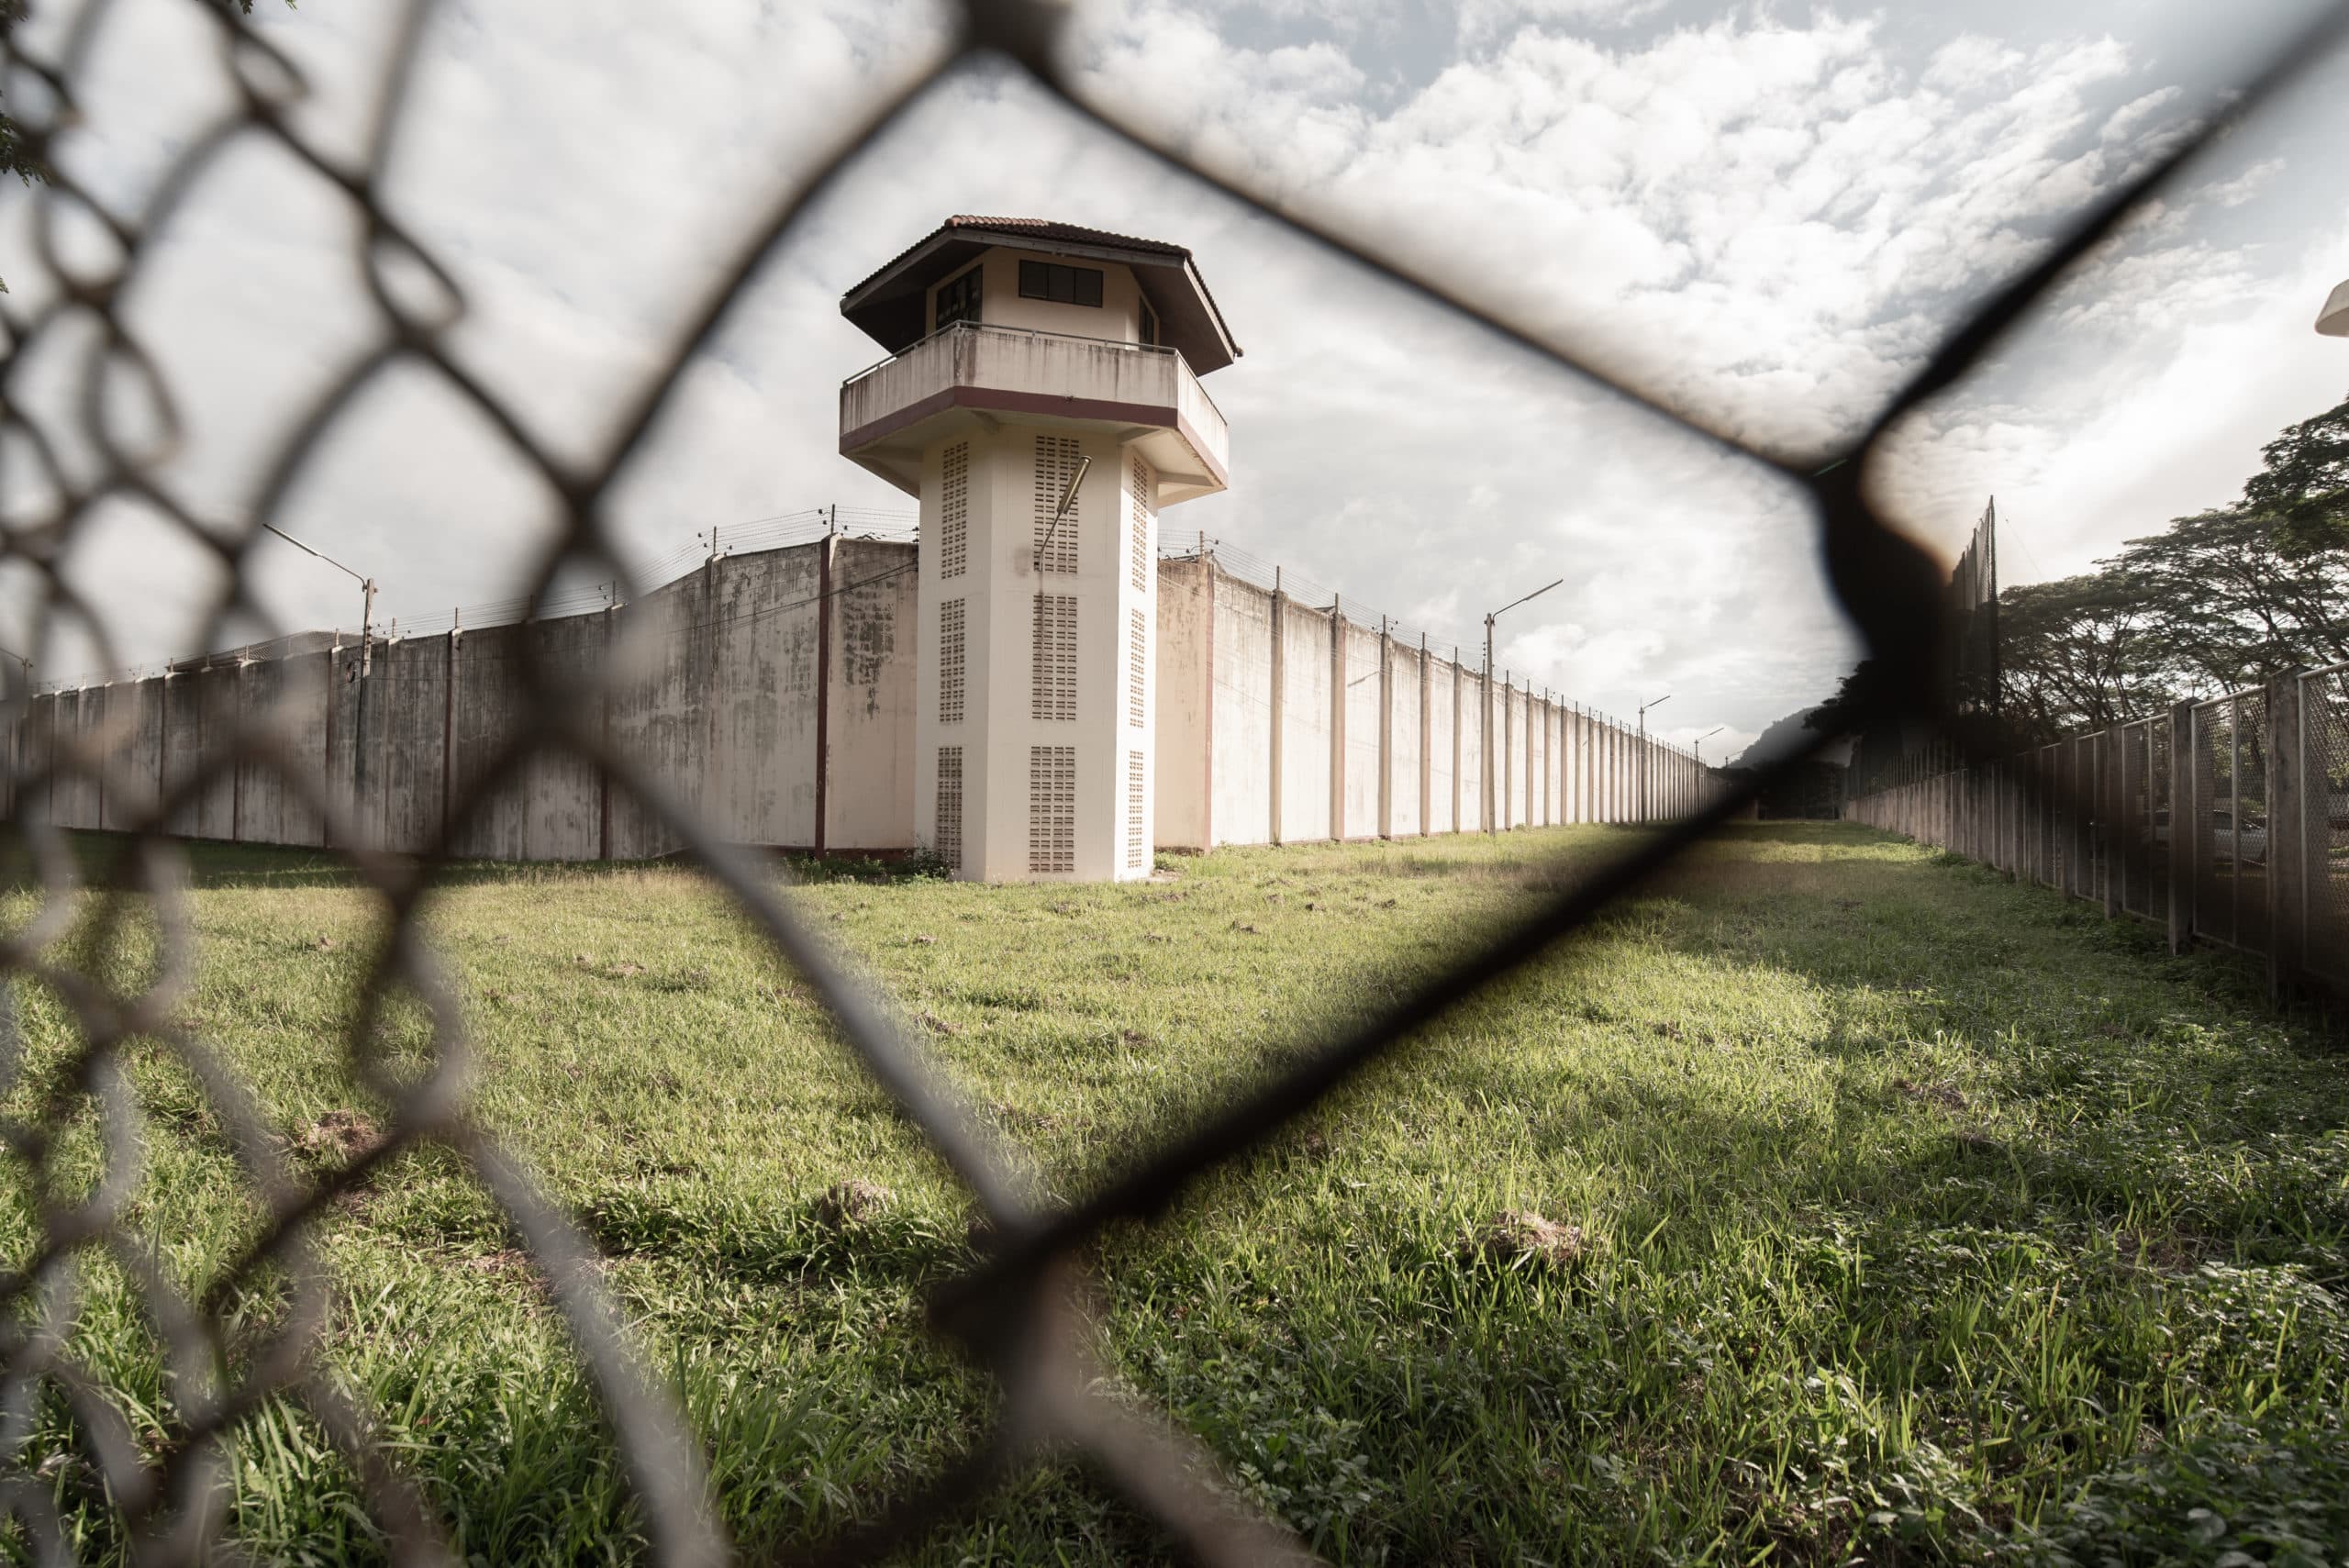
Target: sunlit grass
1913,1212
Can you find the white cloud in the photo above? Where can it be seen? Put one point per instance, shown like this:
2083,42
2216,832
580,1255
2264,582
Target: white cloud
2245,186
1770,221
1746,214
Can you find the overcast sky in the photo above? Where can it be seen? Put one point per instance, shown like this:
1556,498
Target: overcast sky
1768,213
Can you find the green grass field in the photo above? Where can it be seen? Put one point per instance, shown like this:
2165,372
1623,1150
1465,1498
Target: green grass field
1910,1215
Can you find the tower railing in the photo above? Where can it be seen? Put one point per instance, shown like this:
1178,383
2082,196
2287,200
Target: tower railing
1038,361
1005,330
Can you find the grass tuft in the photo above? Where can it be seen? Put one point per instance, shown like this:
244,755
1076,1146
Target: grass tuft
1830,1200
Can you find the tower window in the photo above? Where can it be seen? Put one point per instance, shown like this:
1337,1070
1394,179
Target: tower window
1138,650
1138,514
1051,808
1056,463
958,299
950,661
1053,687
1061,285
954,511
948,836
1137,851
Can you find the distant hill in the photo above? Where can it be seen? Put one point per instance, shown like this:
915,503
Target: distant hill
1787,736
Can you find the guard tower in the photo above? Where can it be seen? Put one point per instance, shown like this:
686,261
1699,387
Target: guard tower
1042,401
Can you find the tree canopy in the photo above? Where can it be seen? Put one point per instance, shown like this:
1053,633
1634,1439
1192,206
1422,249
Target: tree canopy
21,157
2303,487
2224,599
2221,600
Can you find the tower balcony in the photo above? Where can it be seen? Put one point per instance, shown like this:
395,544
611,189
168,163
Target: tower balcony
971,371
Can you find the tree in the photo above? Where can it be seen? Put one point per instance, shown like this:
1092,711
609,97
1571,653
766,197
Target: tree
2231,604
2225,599
22,158
16,158
2303,491
1843,713
2080,652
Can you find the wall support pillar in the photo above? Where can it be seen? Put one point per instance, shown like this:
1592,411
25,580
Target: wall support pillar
1207,703
1337,720
823,686
1386,732
1280,685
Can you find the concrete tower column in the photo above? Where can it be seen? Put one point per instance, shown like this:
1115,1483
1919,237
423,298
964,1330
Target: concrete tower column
1042,401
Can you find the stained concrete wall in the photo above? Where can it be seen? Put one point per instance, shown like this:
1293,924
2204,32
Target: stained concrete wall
277,783
1402,772
770,696
869,797
1186,691
72,797
1475,706
1360,662
135,757
566,817
743,671
715,689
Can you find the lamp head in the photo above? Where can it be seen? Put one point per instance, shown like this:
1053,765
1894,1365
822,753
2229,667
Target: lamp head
2333,319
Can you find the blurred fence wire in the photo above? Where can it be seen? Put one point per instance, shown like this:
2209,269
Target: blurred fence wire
1015,1313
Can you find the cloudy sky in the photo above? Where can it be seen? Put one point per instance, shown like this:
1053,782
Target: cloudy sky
1765,212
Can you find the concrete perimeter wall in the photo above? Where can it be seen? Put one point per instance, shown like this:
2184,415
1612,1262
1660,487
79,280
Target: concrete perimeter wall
1280,722
770,696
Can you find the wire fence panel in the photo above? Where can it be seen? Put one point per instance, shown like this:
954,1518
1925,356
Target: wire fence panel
2206,821
2135,826
2248,825
148,1492
2233,830
2324,812
2160,773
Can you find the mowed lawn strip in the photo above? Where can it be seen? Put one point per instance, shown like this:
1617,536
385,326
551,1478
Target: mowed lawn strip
1831,1198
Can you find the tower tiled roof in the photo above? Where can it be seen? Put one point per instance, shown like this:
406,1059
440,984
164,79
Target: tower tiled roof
887,304
1046,228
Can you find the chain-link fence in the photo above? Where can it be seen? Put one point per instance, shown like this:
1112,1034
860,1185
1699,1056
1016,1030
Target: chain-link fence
2225,820
2321,909
1012,1314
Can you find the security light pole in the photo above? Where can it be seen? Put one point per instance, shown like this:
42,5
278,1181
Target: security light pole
1485,725
366,591
1708,735
366,656
1644,751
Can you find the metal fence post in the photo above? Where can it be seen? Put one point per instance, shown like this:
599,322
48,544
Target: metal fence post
1279,663
2108,813
2182,814
1427,742
2286,904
